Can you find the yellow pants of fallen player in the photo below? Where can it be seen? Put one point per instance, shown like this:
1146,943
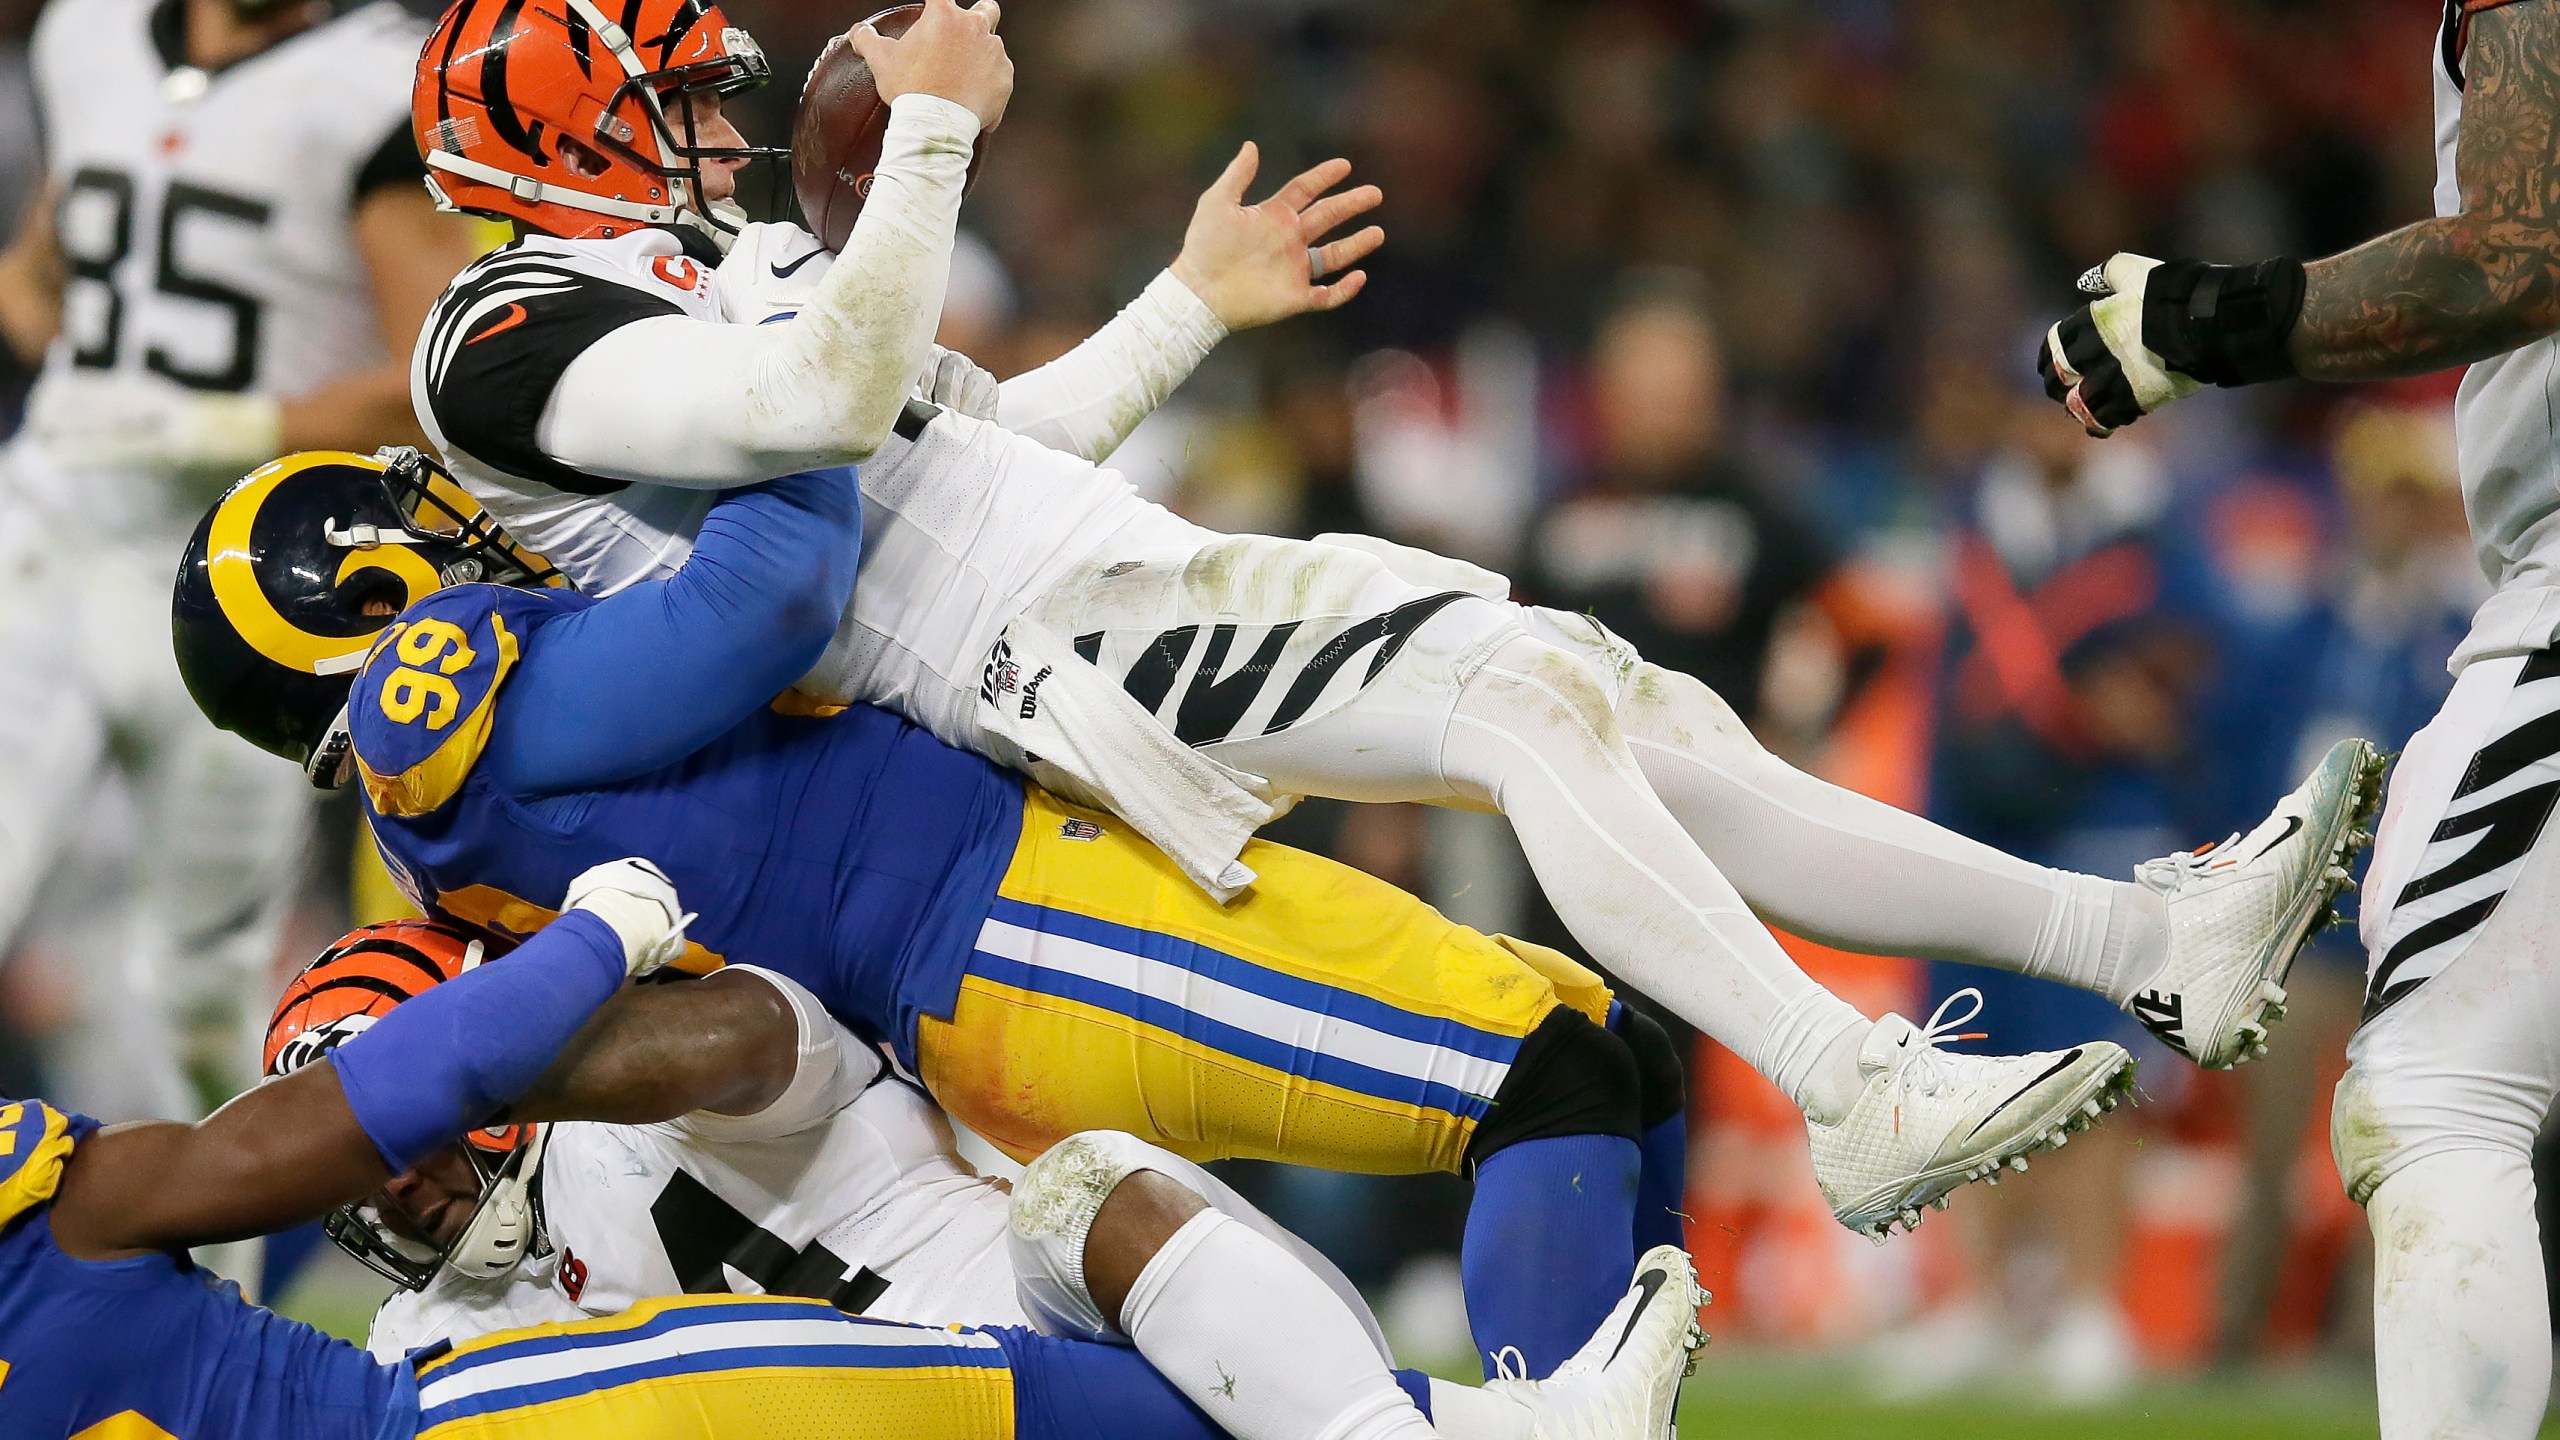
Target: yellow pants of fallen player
720,1368
1326,1018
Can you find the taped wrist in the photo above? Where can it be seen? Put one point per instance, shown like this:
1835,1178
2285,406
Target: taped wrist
1570,1077
452,1059
2223,324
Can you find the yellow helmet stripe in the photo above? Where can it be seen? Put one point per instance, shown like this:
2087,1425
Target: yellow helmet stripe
244,601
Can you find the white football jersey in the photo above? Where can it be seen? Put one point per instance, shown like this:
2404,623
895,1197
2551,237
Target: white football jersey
2510,444
847,1189
205,217
964,522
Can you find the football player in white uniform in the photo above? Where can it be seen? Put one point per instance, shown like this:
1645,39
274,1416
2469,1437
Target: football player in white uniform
232,253
595,382
725,1135
2455,1066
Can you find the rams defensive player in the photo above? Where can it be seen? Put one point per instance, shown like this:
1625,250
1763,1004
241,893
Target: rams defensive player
1044,970
756,1146
107,1329
1021,602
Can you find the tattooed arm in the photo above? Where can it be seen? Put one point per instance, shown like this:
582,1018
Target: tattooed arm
2446,292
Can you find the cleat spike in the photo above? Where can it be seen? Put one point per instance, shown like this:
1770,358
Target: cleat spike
2018,1163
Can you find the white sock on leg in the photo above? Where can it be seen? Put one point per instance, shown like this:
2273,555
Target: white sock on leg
1463,1412
1259,1343
1533,735
1835,866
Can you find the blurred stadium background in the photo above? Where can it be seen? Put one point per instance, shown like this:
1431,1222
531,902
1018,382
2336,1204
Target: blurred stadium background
1714,317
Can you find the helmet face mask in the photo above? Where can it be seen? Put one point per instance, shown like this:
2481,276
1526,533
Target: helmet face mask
504,1228
292,574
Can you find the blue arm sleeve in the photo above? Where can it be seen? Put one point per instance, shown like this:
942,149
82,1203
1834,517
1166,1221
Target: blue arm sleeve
643,679
443,1064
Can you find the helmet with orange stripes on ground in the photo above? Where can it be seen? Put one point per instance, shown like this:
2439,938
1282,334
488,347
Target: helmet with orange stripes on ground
583,119
339,996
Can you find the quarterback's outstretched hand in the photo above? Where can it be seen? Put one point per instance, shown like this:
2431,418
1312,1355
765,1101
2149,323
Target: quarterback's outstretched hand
638,900
2162,331
1254,264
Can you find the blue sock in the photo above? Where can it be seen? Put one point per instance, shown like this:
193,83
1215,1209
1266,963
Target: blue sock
1549,1245
1662,1184
1417,1385
1065,1389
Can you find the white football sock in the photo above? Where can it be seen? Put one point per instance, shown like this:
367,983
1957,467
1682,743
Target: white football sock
1834,866
1259,1343
1463,1412
1532,735
2461,1319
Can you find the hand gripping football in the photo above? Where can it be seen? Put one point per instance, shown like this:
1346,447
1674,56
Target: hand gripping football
835,142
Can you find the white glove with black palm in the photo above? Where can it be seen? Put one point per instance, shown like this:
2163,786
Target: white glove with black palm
2162,330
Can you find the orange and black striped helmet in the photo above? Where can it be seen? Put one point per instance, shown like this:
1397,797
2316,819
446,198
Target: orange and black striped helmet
337,997
502,83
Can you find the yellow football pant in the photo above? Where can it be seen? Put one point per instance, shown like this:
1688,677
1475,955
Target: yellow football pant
1326,1018
720,1368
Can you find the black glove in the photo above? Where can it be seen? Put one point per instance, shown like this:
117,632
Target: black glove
2163,330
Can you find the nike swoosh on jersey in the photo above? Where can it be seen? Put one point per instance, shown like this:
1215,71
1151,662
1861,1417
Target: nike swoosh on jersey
1650,1282
785,272
514,317
2058,1067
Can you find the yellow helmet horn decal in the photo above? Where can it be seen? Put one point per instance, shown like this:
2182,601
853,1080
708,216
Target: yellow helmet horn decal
244,601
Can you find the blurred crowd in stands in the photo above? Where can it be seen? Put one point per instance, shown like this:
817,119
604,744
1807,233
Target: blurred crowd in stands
1715,318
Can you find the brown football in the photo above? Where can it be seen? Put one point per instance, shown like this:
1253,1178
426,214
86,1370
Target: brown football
835,142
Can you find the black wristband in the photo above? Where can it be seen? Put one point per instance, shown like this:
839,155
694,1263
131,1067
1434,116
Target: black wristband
2223,324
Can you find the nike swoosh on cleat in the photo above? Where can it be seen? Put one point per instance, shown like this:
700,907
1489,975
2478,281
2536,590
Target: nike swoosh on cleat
514,317
785,272
2058,1067
2292,827
1650,1282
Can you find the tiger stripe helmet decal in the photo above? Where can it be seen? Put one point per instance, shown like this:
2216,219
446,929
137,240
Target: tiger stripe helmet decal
502,84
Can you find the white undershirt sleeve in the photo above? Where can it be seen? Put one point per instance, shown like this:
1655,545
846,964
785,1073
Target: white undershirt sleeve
833,1069
675,401
1087,401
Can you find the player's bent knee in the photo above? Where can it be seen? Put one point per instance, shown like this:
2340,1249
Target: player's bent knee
1571,1077
1666,707
1055,1206
1662,1082
2386,1118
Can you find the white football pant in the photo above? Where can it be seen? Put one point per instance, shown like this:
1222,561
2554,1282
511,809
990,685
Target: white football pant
2457,1062
89,690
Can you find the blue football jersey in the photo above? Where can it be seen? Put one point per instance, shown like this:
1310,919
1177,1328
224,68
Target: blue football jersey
154,1347
851,851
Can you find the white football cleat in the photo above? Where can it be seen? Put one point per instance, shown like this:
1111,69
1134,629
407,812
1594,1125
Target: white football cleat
1624,1383
1928,1121
2241,910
